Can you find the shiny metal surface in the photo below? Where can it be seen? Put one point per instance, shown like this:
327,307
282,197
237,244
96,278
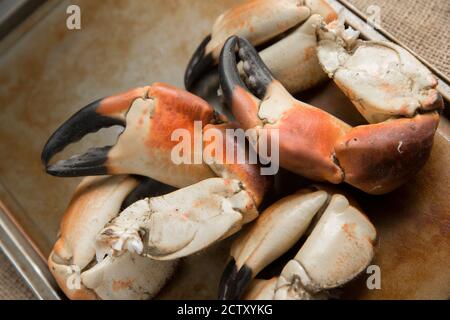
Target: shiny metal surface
13,12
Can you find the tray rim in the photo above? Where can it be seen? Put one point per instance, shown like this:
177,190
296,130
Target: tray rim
23,253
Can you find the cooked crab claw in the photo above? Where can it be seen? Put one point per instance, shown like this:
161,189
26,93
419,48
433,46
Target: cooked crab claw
192,218
376,158
338,246
91,118
277,229
180,223
284,28
73,258
149,115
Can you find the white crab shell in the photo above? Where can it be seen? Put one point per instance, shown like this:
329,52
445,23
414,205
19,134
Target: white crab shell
73,259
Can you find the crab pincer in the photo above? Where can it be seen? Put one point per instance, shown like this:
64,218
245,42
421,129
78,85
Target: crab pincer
338,246
190,219
376,158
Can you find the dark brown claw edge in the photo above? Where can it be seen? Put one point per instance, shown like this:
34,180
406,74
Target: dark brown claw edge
258,76
233,282
199,64
85,121
146,188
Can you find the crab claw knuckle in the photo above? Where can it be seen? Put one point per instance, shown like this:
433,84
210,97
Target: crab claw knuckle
294,284
116,240
73,260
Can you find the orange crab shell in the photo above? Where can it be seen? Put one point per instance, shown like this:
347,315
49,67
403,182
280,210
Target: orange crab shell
248,173
378,158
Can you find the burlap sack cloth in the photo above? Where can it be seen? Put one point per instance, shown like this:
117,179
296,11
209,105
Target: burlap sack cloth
422,25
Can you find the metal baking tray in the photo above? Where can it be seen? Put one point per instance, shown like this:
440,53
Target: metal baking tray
47,72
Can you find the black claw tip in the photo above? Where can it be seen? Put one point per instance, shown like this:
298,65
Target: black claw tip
228,72
243,279
147,187
85,121
233,282
226,280
199,64
92,163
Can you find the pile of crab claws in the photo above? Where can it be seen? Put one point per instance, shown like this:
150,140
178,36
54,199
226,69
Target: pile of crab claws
187,220
84,273
334,230
376,158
